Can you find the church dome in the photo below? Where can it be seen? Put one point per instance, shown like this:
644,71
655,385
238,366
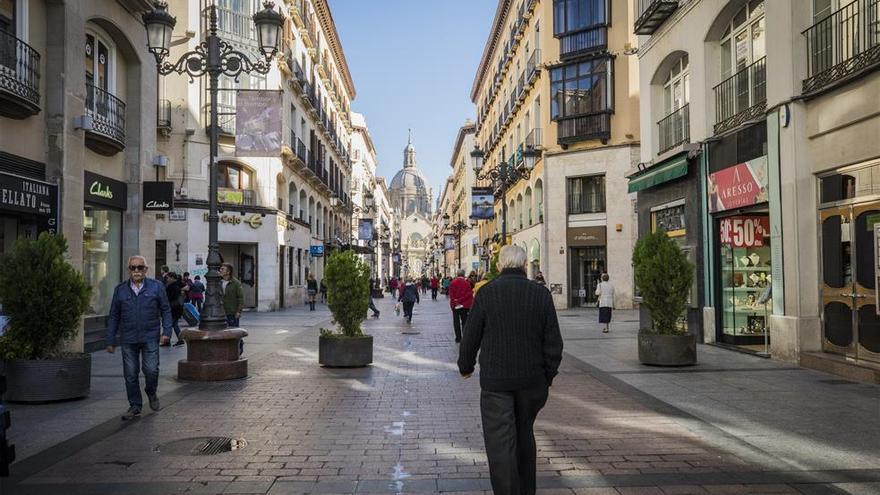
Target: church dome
410,178
409,189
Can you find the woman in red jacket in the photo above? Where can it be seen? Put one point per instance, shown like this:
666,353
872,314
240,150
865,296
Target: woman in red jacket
461,298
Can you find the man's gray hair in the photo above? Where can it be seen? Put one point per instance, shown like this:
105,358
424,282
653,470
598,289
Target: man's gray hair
512,257
461,273
137,257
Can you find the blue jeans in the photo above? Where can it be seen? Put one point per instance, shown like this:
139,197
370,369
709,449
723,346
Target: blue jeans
135,357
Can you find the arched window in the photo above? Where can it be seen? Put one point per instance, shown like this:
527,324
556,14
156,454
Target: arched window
303,205
676,88
235,183
519,210
527,203
743,40
291,200
539,199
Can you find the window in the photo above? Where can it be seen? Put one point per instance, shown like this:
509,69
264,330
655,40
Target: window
586,194
577,15
676,88
98,61
743,41
102,256
290,267
580,89
233,176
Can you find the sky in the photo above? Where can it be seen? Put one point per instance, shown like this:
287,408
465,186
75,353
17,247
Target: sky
413,64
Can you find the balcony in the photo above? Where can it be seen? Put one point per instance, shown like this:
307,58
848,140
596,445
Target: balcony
533,69
163,115
741,97
653,13
246,197
225,118
675,129
107,136
297,71
534,139
583,42
584,127
19,78
843,45
234,25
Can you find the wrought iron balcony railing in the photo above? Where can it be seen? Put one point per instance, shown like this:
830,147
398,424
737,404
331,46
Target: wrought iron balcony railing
236,196
589,40
19,77
845,43
584,127
741,97
675,129
533,139
532,66
108,120
652,13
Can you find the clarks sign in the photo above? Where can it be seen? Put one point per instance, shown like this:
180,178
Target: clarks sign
104,191
158,196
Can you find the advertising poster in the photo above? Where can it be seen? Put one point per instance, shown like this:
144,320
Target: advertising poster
745,231
448,242
482,203
365,229
741,185
258,123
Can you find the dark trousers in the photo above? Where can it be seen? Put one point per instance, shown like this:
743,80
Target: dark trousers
434,293
373,308
407,309
136,357
459,318
198,303
508,431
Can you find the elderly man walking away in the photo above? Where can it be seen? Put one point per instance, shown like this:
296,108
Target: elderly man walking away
461,298
513,325
138,309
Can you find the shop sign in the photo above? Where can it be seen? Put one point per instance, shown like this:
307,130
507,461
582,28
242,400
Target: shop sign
26,195
744,231
316,251
283,223
670,220
100,190
158,196
586,236
738,186
177,215
254,221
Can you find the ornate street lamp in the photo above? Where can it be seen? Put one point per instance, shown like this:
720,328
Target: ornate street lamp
503,177
456,229
213,57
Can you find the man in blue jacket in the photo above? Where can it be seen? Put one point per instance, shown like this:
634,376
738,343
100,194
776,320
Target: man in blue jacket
140,306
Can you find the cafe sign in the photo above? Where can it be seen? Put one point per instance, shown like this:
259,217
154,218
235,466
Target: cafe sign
104,191
158,196
254,221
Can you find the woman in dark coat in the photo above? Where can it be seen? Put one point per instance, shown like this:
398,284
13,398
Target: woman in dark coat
174,291
409,296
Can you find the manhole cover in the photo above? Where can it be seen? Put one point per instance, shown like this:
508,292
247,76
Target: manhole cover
201,446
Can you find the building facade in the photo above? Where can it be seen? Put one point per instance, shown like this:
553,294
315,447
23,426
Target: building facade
468,248
410,196
284,210
77,135
556,77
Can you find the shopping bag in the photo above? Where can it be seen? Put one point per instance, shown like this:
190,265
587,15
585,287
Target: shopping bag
191,314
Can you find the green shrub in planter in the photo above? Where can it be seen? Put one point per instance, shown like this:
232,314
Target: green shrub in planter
348,291
664,275
43,296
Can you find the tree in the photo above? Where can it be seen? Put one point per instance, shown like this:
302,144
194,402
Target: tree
44,297
348,291
664,276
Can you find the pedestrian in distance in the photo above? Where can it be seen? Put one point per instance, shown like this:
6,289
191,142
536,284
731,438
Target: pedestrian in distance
473,278
163,273
372,306
605,291
461,298
444,285
186,282
539,278
174,292
393,285
520,348
425,284
233,299
435,286
197,293
138,310
312,291
409,296
323,291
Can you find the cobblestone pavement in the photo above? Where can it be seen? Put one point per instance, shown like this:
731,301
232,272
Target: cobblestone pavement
407,424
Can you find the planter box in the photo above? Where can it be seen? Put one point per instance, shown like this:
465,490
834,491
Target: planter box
667,350
47,380
345,352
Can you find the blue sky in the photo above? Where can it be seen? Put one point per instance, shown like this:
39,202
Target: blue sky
413,63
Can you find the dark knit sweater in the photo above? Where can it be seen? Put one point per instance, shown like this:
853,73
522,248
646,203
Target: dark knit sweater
514,327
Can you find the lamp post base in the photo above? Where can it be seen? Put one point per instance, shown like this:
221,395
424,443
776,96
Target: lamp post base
212,355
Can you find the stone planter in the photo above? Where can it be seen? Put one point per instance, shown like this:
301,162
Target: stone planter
667,350
47,380
345,352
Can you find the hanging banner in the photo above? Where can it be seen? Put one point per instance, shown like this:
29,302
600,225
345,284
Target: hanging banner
738,186
365,229
745,231
258,123
448,242
482,203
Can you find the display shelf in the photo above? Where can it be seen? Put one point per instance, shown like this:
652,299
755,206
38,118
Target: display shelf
746,269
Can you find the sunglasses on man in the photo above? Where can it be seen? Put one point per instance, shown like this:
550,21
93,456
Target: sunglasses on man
137,268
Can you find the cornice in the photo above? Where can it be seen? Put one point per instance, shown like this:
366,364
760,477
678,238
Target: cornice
322,10
462,132
494,34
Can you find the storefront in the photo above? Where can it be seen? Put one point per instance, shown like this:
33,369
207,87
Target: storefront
27,208
849,230
738,194
587,258
104,202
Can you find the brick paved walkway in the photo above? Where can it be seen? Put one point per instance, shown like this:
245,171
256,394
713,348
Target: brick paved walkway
407,424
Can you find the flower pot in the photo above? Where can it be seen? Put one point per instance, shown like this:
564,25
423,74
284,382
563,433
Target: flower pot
46,380
667,350
345,352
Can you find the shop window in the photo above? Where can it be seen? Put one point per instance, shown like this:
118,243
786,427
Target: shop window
586,194
102,256
745,281
850,184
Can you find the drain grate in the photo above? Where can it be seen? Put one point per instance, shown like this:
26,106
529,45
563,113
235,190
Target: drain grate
201,446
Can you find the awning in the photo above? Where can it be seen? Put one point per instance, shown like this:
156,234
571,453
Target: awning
665,171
